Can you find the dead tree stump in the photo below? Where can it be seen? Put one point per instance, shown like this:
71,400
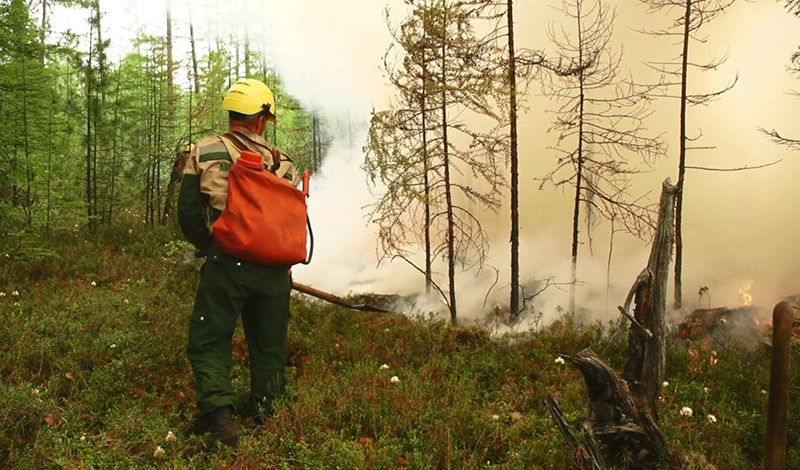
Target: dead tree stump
622,428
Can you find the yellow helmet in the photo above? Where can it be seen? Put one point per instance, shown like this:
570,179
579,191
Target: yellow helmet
249,96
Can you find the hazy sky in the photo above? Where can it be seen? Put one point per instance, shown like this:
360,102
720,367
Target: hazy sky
737,226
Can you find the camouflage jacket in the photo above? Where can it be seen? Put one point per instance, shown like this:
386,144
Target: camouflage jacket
204,188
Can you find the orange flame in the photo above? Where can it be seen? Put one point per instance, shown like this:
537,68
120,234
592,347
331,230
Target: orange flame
746,291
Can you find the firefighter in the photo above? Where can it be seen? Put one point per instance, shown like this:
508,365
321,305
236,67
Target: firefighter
230,287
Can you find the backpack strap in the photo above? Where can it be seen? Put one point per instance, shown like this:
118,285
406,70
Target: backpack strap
235,141
234,138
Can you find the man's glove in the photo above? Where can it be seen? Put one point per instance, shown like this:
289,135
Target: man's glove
276,160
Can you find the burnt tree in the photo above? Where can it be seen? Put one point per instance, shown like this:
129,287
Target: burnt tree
623,410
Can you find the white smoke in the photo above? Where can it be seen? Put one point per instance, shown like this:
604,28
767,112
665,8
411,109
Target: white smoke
738,226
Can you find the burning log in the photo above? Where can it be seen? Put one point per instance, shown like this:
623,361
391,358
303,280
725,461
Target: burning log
747,325
623,413
722,323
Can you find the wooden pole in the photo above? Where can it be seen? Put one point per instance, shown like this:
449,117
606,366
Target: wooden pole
778,409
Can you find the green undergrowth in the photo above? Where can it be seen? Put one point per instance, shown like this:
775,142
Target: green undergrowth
94,375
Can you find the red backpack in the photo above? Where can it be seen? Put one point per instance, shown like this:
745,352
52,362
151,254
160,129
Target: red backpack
266,217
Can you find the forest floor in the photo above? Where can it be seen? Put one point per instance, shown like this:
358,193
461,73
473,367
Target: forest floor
94,375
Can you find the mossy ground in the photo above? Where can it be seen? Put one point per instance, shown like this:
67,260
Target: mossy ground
94,375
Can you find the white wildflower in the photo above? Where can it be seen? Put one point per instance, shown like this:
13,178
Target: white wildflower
686,411
705,389
15,293
665,384
2,294
386,330
711,419
130,231
395,379
113,346
16,304
83,437
170,437
93,284
763,392
35,392
159,453
495,417
7,255
125,301
560,360
384,366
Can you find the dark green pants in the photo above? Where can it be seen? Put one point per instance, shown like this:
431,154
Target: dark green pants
228,288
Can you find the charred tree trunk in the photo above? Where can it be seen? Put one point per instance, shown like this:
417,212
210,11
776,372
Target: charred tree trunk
623,413
426,182
616,426
646,363
451,260
579,171
512,80
682,161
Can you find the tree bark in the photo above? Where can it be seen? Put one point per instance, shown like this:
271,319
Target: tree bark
89,205
246,50
579,173
425,157
451,261
682,161
195,74
114,147
512,80
170,78
617,425
646,363
49,165
43,31
26,136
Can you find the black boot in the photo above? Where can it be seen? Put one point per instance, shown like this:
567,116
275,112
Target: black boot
220,423
259,409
